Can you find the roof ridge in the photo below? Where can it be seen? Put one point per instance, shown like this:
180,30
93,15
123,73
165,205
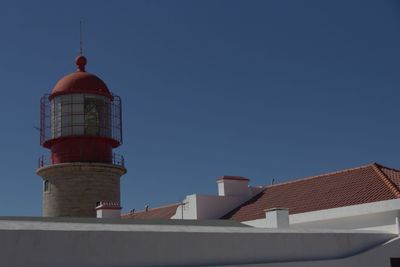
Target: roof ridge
324,174
388,182
244,203
389,168
160,207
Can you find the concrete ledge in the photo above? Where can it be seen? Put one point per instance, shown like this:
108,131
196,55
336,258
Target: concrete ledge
79,165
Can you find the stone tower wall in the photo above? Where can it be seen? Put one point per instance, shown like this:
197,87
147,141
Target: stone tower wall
75,188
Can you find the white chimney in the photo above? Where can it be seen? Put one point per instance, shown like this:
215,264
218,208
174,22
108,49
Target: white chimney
277,218
106,209
233,186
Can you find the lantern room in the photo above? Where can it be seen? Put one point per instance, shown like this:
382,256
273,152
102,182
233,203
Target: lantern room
81,119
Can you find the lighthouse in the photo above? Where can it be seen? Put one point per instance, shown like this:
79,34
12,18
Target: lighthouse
81,124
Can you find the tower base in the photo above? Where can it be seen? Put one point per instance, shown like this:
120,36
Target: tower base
73,189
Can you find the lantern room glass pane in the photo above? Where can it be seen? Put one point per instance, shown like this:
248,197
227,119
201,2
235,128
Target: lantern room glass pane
81,114
56,118
92,116
78,124
77,108
77,98
77,130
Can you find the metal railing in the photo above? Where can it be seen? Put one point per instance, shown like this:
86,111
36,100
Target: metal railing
60,121
47,160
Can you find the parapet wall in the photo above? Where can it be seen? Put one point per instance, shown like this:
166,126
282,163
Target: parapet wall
63,244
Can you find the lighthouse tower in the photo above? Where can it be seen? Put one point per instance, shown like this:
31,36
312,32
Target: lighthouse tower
81,125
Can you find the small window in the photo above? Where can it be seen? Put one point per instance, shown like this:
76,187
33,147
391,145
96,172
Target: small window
46,186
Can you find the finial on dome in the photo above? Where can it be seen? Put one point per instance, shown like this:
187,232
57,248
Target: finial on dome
81,61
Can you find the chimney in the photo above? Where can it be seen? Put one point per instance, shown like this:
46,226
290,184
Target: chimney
233,186
277,218
106,209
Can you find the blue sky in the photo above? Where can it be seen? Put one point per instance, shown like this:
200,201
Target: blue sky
261,89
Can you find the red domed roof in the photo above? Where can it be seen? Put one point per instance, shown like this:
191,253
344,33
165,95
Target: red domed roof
80,82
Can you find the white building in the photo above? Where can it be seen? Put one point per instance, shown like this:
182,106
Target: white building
345,218
59,242
362,198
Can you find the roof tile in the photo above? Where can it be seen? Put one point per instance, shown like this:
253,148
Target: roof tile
360,185
164,212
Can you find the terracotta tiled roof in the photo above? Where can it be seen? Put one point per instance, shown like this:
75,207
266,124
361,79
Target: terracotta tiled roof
360,185
392,174
164,212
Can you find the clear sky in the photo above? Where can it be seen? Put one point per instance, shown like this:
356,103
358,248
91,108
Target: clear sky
262,89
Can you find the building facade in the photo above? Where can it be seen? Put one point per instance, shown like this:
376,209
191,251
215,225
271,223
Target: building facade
361,198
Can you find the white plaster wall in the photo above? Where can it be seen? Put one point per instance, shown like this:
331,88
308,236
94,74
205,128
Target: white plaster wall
188,210
108,213
379,216
385,221
378,256
221,189
214,207
41,244
277,218
203,207
228,187
349,211
255,190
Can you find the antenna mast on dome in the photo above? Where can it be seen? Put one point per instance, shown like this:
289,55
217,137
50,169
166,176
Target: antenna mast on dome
80,39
